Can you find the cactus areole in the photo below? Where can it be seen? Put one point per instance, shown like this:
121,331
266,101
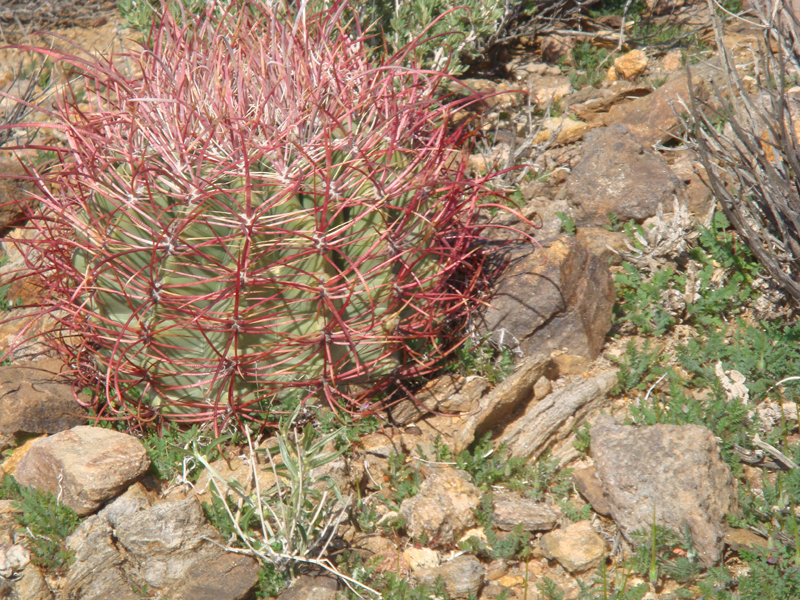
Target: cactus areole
260,214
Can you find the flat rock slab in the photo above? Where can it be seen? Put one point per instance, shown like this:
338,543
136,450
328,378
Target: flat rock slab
618,175
677,469
443,509
577,547
559,297
511,510
34,398
530,434
84,466
463,577
168,547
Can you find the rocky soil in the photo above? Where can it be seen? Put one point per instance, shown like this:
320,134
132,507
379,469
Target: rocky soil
605,155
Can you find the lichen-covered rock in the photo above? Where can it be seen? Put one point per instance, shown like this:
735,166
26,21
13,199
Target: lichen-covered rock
168,547
618,174
676,470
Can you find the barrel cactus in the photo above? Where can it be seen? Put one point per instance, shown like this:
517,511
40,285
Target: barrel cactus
260,214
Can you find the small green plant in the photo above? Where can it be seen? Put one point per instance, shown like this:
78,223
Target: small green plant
583,438
604,587
404,480
586,70
567,223
660,552
483,359
511,546
46,521
638,368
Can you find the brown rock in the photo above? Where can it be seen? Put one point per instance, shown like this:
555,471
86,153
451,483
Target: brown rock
382,552
21,333
496,569
84,466
658,8
602,243
34,398
15,190
558,297
744,539
8,521
451,394
651,119
443,509
617,175
312,587
462,577
511,510
556,47
590,487
630,65
577,548
676,468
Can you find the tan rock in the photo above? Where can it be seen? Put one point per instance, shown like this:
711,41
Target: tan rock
544,422
511,510
443,509
236,469
631,65
677,469
744,539
577,548
602,243
383,553
9,466
84,466
549,90
673,61
566,129
421,558
569,365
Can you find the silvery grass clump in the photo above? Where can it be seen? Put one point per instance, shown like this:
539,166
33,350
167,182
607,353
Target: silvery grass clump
260,216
